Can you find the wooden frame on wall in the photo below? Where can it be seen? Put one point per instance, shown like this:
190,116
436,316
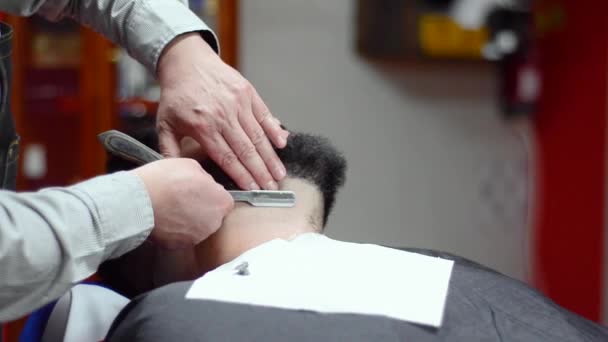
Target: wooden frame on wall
228,31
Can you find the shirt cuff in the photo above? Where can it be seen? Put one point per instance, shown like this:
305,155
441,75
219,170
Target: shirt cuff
124,210
155,23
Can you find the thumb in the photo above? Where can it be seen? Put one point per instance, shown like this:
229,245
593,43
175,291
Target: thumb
168,144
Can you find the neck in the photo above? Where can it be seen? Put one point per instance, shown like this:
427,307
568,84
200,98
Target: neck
247,227
281,221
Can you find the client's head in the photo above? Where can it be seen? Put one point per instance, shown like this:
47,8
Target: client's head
315,172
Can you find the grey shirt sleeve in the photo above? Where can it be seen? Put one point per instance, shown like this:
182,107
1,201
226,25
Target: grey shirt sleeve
56,237
143,27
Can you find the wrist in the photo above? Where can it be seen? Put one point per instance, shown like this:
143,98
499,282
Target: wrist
183,47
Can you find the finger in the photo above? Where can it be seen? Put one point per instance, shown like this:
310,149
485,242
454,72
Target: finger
285,132
277,121
226,203
265,119
168,143
248,154
258,138
221,153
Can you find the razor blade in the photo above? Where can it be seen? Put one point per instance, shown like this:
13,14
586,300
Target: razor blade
128,148
265,198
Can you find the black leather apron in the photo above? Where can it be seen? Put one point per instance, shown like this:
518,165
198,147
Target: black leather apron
9,140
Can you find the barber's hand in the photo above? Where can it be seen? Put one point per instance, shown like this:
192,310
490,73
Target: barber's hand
188,204
207,100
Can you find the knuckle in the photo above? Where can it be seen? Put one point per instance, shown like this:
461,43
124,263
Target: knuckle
265,116
204,126
248,89
169,105
193,164
243,87
163,125
196,237
228,159
174,107
180,162
233,97
223,115
246,150
258,137
227,203
215,225
232,124
173,111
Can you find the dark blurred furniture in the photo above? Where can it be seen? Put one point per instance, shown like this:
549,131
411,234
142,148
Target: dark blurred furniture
414,31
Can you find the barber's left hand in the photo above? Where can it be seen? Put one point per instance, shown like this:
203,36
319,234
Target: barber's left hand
207,100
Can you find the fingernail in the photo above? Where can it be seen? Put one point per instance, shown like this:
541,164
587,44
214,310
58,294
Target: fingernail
272,185
282,141
279,172
253,186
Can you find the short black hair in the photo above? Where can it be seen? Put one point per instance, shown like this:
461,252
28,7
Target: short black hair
306,156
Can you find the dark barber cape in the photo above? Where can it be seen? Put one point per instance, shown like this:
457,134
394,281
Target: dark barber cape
482,305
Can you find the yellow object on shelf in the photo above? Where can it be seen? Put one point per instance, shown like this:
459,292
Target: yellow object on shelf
56,50
440,36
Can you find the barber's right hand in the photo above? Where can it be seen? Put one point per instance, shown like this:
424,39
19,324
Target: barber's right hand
188,204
